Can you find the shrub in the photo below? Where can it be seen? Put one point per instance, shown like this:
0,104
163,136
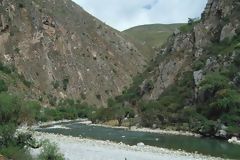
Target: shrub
227,99
98,96
189,27
231,119
25,82
65,83
208,128
3,86
20,5
212,83
50,151
5,69
7,131
197,65
230,71
30,112
9,108
52,100
233,130
14,146
56,84
237,60
237,46
16,153
85,112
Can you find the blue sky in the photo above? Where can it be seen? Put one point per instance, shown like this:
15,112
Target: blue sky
123,14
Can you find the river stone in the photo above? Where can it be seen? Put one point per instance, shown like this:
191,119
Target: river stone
221,133
154,126
234,140
141,144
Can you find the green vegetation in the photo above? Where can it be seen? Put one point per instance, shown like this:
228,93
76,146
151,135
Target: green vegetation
198,64
3,86
15,111
151,36
189,27
114,111
10,71
66,109
169,108
12,146
5,69
65,83
225,47
72,109
56,84
50,151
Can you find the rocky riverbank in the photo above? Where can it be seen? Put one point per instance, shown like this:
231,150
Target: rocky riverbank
133,128
85,149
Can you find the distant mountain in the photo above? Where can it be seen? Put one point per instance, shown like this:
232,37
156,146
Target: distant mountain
151,37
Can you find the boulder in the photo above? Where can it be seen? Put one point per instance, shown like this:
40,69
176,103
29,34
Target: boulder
198,77
234,140
228,32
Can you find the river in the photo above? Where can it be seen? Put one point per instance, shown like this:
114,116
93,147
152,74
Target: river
205,146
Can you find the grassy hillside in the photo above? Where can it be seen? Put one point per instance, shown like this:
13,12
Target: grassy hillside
151,36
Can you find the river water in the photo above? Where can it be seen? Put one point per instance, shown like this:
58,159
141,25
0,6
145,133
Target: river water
206,146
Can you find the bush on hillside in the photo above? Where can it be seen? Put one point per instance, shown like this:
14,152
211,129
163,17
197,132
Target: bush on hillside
9,108
5,69
225,100
30,112
3,86
237,60
212,83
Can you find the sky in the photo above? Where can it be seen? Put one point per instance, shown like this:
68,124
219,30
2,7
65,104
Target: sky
124,14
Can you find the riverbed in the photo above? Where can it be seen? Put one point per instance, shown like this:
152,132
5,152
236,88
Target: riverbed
190,144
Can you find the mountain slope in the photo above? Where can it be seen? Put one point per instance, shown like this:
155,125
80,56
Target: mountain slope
151,37
194,83
65,52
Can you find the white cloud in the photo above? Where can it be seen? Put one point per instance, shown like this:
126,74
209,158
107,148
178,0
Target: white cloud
123,14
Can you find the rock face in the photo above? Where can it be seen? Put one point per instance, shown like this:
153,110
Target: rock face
198,77
219,22
166,73
65,52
